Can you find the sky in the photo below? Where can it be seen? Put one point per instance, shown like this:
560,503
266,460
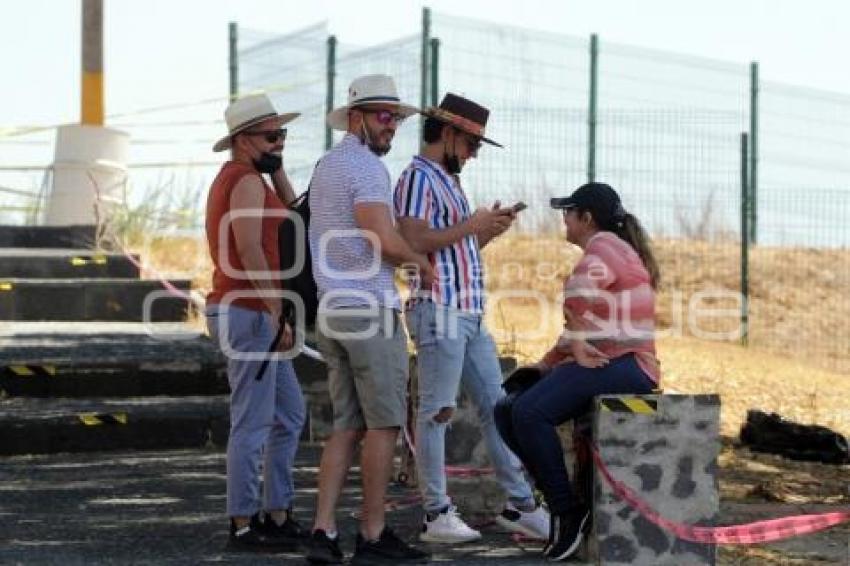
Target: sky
175,53
167,51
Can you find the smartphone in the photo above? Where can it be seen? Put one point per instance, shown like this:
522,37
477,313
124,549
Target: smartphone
519,206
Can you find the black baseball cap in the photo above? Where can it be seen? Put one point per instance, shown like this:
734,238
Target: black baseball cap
599,198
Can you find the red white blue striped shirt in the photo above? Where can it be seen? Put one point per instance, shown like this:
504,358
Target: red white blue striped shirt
425,191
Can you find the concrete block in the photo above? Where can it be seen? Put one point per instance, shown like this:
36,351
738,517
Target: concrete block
481,497
668,456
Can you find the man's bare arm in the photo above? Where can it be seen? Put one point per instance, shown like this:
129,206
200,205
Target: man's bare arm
375,218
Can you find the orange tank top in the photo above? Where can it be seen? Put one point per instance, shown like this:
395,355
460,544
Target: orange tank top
218,204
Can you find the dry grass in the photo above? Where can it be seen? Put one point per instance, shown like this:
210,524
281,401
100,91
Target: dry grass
799,329
799,303
796,312
177,257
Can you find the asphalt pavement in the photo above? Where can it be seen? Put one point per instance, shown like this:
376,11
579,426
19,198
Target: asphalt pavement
168,507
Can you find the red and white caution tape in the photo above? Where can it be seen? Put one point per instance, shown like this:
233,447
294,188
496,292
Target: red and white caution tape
750,533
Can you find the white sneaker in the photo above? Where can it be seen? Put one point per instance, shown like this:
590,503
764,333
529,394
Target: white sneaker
533,524
447,527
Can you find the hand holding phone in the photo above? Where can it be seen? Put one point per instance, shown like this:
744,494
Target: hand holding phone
519,206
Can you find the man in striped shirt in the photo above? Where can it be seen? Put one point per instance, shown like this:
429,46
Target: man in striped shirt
446,323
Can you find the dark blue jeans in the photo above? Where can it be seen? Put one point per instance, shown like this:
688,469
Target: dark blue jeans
527,420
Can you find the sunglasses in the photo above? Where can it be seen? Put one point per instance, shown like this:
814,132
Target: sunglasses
385,117
271,136
474,144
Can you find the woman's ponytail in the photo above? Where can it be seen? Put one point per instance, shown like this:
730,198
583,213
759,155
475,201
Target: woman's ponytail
628,227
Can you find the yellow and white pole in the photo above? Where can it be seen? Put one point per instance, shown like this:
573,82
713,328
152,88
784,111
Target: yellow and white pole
91,100
89,168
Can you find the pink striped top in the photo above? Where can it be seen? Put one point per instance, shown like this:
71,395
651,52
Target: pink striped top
609,300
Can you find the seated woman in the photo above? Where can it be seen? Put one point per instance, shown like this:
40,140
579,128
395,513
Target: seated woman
607,347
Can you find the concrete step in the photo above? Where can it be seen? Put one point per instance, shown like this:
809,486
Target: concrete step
121,359
50,263
90,300
41,379
44,426
40,426
78,237
102,359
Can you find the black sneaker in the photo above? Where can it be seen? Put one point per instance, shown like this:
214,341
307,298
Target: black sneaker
321,549
251,539
568,534
388,549
290,530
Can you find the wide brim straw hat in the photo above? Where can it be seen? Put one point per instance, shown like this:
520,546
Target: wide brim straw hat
249,111
367,90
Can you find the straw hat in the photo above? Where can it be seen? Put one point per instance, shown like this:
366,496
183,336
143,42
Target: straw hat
369,89
248,111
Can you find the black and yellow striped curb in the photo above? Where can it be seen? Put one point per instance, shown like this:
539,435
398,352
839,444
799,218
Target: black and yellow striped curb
80,261
97,419
27,370
629,405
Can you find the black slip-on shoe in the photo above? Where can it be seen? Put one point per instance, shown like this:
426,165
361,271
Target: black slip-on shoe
388,549
321,549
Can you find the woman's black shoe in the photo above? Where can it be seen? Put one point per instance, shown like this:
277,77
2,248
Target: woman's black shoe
568,534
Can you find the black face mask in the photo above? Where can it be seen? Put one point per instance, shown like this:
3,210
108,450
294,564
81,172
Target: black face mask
268,162
452,162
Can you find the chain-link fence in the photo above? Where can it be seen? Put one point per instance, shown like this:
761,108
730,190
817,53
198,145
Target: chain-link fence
292,69
401,60
663,128
535,85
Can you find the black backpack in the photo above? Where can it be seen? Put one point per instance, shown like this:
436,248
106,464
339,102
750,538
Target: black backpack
291,245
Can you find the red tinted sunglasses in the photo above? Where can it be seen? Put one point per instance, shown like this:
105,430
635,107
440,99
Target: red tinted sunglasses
385,117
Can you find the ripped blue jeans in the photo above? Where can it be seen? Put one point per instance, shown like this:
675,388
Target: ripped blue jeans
455,349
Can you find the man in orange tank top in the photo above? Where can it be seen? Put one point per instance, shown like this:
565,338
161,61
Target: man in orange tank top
243,316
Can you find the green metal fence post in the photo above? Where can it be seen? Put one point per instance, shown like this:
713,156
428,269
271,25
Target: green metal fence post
591,109
424,69
233,34
329,96
745,244
435,71
754,154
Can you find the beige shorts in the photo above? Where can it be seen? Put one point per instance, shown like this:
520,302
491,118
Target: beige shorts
367,368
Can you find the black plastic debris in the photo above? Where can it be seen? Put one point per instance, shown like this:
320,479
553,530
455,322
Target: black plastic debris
772,433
